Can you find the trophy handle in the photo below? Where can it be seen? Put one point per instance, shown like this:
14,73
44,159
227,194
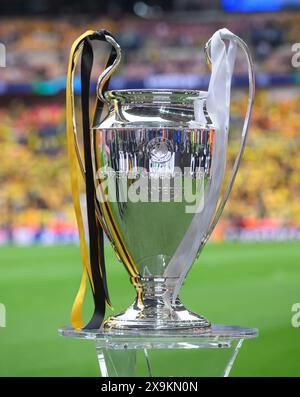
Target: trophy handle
102,80
105,75
251,79
222,201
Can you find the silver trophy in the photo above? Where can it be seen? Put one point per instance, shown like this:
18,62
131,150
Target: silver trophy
159,160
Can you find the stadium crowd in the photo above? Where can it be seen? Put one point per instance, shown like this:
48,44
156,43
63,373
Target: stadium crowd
33,173
35,200
35,196
37,49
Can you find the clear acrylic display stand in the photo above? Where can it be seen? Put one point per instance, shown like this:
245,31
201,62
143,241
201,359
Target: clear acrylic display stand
134,354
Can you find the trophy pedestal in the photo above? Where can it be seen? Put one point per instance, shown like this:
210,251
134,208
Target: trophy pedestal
156,314
166,353
154,311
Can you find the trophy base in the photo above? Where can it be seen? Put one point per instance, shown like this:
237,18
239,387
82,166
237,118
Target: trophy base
122,353
159,317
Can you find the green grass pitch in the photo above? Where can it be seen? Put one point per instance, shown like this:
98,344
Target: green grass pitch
250,284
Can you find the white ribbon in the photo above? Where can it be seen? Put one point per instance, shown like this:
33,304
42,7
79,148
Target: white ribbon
223,59
218,106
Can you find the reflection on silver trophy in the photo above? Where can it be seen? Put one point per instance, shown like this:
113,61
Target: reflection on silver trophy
159,161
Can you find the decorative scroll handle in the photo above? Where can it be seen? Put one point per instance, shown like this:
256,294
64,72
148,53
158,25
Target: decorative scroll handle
102,80
105,75
100,85
251,78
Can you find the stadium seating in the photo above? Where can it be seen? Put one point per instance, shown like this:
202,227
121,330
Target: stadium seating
35,181
35,196
41,46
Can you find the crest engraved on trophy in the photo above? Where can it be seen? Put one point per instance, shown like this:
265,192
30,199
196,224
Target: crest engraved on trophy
160,150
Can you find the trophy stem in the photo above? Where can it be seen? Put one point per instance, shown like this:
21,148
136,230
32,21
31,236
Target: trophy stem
153,310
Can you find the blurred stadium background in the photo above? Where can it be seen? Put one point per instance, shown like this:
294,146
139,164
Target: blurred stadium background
256,282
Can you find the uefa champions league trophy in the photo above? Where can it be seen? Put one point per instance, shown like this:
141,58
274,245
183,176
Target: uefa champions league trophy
154,162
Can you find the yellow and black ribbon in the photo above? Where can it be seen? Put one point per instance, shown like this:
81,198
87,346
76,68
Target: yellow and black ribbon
94,262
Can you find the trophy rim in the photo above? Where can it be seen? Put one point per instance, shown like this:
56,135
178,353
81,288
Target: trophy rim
160,94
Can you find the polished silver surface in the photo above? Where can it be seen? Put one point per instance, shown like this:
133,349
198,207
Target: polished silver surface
150,145
153,311
159,165
105,75
171,171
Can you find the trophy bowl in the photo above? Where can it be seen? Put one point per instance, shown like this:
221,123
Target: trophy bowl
152,167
